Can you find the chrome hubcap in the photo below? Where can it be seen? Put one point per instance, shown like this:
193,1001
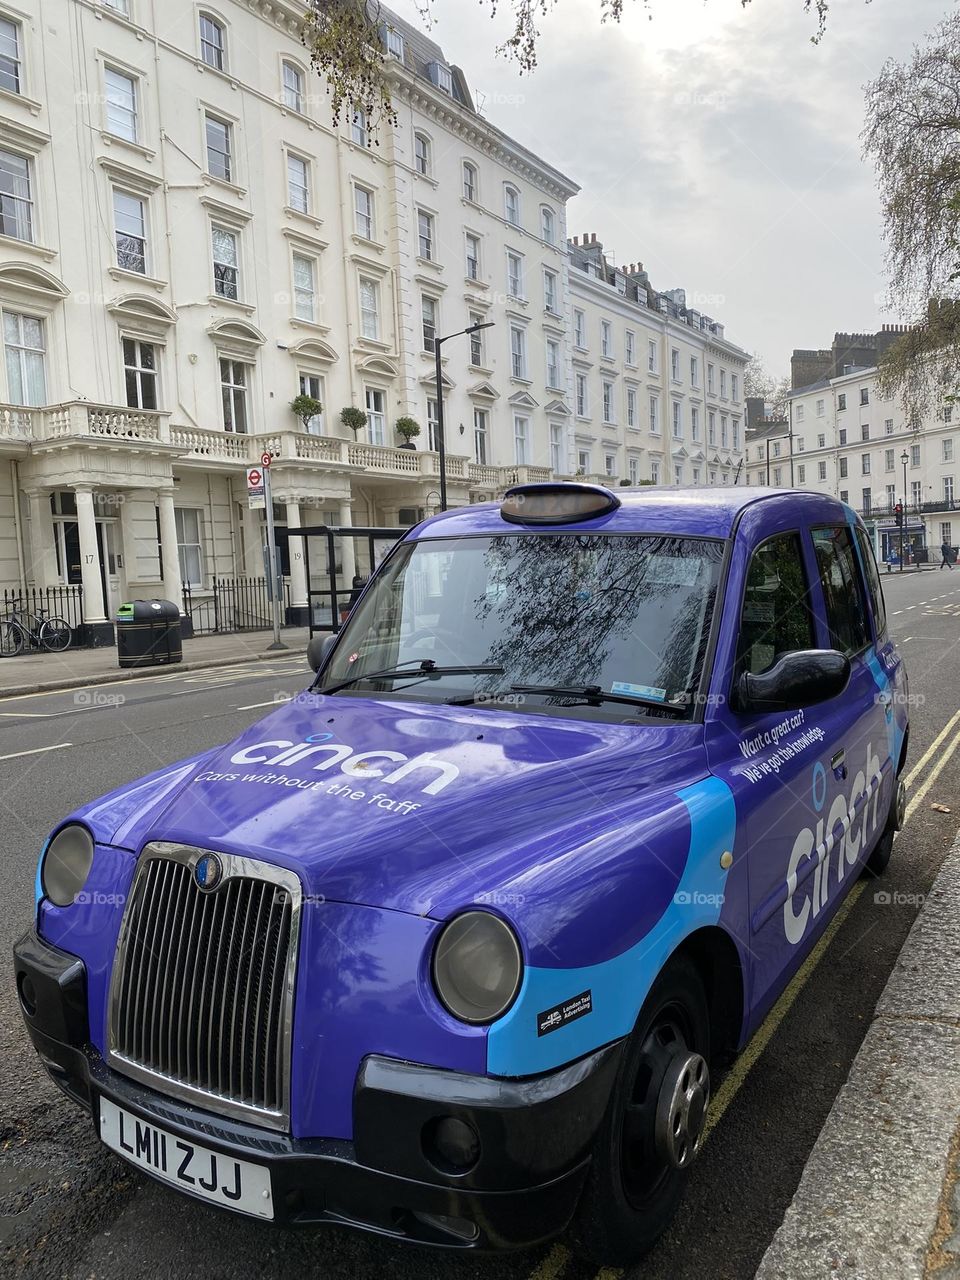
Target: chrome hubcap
682,1110
901,805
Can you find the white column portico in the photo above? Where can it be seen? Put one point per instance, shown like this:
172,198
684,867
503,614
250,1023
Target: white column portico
298,568
93,606
169,552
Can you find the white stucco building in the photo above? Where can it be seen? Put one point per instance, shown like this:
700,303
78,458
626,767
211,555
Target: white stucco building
843,438
186,243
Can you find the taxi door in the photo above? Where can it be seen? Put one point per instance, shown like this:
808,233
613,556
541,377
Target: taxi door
792,772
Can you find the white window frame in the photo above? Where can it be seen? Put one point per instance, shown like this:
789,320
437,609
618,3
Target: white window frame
422,153
312,384
186,544
359,132
298,194
521,438
14,72
293,93
227,156
376,417
143,375
432,305
552,349
548,224
238,393
212,54
126,124
364,219
20,209
511,204
472,263
235,267
518,353
426,235
143,239
550,291
470,181
515,275
369,315
304,299
22,352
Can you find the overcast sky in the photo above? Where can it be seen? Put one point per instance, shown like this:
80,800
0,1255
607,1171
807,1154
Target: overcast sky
713,143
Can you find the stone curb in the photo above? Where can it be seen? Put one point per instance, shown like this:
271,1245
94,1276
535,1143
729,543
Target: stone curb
138,673
878,1197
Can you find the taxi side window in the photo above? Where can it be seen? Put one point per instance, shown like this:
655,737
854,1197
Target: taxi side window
873,581
775,616
842,588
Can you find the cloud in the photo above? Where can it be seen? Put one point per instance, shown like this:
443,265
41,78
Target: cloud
717,145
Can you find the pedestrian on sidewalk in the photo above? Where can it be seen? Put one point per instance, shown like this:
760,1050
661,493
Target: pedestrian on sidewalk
947,552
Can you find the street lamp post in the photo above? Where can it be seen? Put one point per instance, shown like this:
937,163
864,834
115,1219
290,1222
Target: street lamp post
904,458
441,441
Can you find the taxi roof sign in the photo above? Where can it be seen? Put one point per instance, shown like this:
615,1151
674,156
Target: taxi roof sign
558,503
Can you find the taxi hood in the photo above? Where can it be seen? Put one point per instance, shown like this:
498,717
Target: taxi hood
413,806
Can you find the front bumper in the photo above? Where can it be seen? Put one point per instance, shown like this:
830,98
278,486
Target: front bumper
534,1134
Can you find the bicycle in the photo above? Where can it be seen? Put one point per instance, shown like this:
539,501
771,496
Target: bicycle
21,628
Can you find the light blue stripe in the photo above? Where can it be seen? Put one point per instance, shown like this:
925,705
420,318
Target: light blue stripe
620,985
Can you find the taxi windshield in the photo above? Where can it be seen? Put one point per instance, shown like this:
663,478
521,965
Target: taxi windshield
576,616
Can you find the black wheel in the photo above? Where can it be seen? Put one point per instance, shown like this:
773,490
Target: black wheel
876,864
11,640
55,635
653,1128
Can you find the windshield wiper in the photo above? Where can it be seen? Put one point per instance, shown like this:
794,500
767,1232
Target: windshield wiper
593,693
426,669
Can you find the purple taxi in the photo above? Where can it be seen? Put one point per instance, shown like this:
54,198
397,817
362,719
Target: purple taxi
451,946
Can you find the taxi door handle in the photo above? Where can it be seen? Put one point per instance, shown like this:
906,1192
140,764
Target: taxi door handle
839,767
885,698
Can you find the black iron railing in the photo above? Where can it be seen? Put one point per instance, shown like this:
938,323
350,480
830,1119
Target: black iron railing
231,604
65,600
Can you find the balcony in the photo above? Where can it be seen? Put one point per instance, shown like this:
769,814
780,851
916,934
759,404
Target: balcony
77,420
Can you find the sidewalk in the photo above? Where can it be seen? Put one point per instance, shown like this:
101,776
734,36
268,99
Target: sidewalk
36,672
880,1195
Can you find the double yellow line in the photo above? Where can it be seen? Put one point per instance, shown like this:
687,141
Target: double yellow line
553,1265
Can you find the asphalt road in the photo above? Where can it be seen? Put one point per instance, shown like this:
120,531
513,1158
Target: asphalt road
69,1208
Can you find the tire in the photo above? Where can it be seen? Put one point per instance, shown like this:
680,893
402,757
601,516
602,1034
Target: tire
11,640
55,635
633,1189
877,863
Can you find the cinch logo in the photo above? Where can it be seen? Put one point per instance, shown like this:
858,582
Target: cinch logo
355,765
800,908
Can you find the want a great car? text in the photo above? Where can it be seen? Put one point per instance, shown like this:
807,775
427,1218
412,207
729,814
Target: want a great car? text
450,946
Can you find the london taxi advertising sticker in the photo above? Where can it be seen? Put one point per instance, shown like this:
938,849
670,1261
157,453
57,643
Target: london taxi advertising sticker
557,1017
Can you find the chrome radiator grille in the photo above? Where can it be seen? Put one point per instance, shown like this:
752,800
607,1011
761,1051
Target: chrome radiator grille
202,991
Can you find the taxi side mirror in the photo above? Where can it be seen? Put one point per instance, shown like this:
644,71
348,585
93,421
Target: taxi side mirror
799,679
318,650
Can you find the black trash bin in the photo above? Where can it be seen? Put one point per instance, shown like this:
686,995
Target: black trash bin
148,633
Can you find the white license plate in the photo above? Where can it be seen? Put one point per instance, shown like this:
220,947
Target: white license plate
235,1184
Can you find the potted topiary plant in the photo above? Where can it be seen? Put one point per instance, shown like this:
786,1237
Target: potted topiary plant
306,407
408,428
354,418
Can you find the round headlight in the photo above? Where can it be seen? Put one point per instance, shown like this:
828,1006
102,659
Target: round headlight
477,967
66,865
